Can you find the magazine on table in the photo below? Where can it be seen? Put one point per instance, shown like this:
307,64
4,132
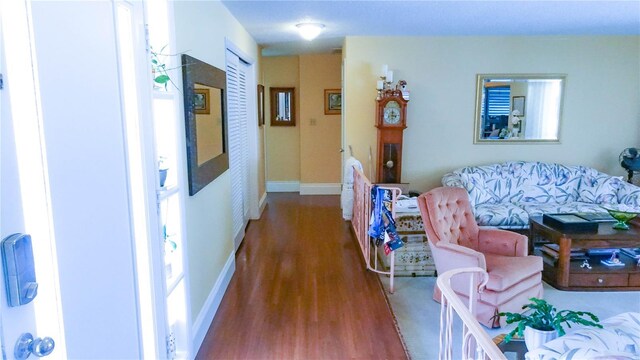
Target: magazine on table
631,252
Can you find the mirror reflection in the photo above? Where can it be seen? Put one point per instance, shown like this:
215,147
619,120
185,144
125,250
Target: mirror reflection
207,105
282,107
518,107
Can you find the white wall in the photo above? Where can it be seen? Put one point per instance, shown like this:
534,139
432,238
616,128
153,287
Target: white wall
201,28
81,111
601,108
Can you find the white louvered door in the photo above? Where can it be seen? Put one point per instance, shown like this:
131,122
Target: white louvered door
237,103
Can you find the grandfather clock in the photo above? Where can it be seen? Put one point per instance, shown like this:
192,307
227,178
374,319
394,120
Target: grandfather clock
391,120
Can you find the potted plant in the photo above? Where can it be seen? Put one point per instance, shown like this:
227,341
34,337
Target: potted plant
163,168
542,322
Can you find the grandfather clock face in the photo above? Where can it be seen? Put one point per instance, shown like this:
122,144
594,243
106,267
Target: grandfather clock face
391,122
391,113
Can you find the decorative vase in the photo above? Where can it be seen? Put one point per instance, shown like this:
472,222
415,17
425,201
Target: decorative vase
622,217
163,176
535,338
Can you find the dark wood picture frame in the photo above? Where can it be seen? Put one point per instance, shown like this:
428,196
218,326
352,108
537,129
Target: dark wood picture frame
201,101
195,72
290,106
260,105
333,101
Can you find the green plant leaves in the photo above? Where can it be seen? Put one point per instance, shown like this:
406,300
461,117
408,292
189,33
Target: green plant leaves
541,315
162,79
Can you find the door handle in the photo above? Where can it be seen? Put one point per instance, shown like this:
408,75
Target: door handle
27,345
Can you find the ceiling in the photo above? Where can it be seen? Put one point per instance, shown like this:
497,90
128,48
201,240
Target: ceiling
272,23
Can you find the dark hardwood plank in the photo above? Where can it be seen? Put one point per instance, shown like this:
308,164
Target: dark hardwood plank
300,291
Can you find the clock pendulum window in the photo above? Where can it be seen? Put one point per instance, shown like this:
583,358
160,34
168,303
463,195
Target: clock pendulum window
391,120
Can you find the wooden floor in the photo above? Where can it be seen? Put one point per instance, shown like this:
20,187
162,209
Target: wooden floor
300,291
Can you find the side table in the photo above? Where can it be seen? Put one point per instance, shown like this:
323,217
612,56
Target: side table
516,345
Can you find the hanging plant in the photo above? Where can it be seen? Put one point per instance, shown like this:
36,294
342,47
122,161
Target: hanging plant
159,70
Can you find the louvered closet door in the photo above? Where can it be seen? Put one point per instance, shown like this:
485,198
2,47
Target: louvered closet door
238,153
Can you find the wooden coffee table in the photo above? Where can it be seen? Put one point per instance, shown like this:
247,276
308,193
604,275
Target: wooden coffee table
564,274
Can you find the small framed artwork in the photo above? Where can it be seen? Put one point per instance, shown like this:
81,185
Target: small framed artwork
332,101
518,104
201,100
260,105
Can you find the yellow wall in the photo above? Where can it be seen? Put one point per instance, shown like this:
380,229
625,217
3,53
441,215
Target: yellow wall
319,143
262,176
601,113
308,153
201,28
283,142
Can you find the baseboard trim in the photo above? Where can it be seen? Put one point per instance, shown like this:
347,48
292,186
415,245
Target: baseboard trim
320,189
283,186
262,204
205,317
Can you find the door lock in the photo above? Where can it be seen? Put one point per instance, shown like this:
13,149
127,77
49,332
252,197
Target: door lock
27,345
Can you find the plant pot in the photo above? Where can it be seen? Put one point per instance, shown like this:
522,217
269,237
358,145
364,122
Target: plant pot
535,338
163,176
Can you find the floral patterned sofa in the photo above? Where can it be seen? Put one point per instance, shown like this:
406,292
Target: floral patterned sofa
619,339
506,195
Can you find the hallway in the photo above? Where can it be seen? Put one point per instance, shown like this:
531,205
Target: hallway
300,291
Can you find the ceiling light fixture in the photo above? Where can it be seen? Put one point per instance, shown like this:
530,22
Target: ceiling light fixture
310,31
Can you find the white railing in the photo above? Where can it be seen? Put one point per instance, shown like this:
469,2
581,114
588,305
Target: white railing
361,218
476,343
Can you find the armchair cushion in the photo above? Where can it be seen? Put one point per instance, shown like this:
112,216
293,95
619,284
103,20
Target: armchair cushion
502,242
506,271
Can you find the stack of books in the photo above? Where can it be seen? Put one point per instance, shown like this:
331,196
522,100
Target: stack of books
551,250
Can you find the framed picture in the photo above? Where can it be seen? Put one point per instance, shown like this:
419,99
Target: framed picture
201,100
332,101
260,105
518,104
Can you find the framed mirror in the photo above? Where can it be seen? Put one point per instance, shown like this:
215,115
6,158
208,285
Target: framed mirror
518,108
283,110
205,122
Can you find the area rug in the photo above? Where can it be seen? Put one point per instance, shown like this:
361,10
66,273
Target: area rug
418,315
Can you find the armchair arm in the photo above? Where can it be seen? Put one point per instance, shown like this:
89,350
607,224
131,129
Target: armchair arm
457,256
502,242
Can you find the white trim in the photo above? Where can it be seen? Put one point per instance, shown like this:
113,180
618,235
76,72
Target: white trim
229,45
205,317
262,204
320,189
283,186
237,240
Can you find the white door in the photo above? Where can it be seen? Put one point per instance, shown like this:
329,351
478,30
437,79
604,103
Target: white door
24,206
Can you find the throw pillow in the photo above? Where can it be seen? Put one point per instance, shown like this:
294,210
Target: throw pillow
601,189
476,187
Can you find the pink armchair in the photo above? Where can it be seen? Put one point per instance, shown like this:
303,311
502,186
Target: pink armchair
456,241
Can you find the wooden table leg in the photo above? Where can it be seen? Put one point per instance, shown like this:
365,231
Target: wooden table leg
564,261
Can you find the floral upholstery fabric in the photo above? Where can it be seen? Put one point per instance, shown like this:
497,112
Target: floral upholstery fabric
507,194
618,339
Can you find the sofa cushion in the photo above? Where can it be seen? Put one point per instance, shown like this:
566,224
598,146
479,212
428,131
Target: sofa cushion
477,189
506,271
501,215
600,189
534,209
566,183
629,195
